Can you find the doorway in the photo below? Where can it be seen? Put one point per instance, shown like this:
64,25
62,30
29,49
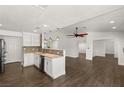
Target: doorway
104,48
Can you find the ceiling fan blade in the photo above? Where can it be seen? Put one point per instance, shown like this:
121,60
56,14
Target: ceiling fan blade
81,36
70,35
83,33
76,34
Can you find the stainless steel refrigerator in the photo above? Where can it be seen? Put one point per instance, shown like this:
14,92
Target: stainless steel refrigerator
2,55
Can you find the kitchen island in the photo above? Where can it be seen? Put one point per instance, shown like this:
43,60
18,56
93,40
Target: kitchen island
52,63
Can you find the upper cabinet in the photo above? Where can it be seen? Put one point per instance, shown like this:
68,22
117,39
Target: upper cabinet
27,39
31,39
35,39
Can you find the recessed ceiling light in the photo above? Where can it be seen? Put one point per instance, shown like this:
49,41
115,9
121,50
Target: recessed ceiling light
44,25
34,30
1,25
36,5
112,21
114,27
43,6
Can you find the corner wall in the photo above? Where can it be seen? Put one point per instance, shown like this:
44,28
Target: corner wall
99,48
120,38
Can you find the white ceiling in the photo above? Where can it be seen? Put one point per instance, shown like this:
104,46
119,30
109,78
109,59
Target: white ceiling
100,23
27,18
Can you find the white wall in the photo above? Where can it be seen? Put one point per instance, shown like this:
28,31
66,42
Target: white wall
116,48
99,48
82,45
13,48
55,44
72,49
109,46
13,41
120,39
70,46
89,49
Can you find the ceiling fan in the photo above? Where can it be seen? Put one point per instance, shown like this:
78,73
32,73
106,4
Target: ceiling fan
76,34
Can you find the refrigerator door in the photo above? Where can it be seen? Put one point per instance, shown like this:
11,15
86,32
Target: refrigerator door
2,44
2,55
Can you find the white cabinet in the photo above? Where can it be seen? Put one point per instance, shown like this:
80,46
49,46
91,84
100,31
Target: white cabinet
55,67
35,39
27,39
31,39
31,59
48,66
37,61
28,59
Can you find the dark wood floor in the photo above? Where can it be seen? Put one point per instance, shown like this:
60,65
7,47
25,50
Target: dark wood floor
100,72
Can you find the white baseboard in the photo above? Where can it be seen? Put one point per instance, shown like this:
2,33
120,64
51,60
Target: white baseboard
121,64
12,62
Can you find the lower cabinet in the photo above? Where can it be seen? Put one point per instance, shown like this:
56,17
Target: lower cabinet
28,59
48,66
31,59
37,61
55,67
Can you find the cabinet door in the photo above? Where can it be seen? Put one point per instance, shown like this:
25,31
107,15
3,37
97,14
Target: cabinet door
28,59
45,65
25,60
37,61
35,39
31,39
27,39
48,66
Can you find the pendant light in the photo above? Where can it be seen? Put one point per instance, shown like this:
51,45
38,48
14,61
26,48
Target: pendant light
50,39
57,38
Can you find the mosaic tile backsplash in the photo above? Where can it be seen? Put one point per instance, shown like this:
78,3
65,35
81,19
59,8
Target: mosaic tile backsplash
39,49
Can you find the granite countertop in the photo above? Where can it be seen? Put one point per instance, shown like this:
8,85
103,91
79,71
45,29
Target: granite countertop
51,56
